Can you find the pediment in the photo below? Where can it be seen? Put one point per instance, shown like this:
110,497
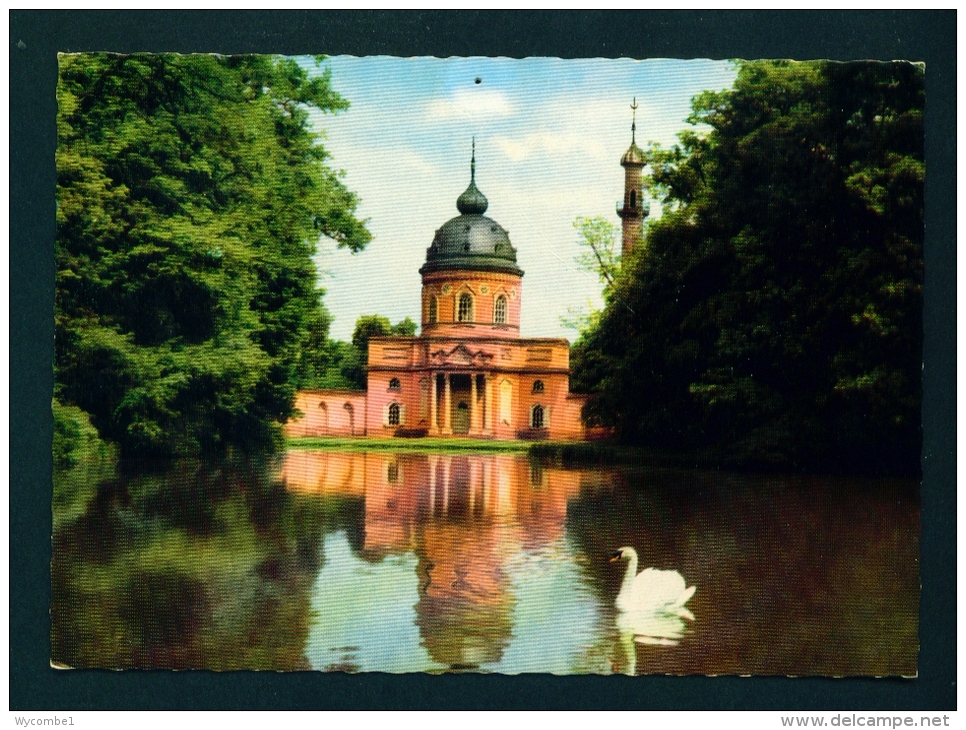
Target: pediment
460,356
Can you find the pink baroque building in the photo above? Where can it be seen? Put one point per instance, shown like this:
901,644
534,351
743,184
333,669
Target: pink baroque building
469,373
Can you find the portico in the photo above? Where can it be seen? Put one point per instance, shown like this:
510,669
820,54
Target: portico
461,403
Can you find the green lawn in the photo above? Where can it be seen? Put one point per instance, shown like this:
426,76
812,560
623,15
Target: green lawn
558,452
428,444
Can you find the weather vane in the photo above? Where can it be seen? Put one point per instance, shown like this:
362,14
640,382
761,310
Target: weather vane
473,161
634,119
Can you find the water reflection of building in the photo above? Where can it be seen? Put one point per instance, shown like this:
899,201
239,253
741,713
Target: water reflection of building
465,518
404,491
343,474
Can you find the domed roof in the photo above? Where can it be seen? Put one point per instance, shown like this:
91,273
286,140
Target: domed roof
472,200
633,156
471,241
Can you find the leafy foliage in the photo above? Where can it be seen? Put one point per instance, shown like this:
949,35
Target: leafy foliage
368,326
209,564
600,253
191,192
774,317
75,440
336,364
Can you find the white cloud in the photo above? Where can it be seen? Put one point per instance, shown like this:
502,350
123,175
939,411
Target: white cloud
546,152
470,104
515,150
521,148
408,159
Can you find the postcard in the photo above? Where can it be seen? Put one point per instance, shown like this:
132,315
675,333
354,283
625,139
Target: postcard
587,366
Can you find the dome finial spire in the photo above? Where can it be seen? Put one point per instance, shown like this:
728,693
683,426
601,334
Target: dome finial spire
634,120
634,155
472,201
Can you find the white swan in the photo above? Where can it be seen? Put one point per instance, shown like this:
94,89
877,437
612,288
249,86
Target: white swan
652,591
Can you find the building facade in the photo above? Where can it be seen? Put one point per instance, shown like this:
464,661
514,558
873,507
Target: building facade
468,372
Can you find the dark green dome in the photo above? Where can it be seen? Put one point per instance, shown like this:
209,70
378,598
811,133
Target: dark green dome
472,200
633,156
471,241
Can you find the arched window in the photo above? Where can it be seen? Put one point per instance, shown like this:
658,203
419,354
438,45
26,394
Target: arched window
394,384
323,419
352,420
633,197
536,417
393,414
465,311
433,310
499,310
537,386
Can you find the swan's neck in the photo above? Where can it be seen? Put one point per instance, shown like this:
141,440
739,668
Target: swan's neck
631,572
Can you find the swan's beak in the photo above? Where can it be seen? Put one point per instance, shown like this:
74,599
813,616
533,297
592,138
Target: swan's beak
615,557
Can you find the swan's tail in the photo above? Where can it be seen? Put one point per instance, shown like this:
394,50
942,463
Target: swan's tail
685,596
678,606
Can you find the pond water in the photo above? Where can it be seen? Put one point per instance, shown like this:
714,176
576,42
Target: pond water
403,562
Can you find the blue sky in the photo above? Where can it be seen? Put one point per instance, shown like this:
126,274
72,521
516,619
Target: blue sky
549,137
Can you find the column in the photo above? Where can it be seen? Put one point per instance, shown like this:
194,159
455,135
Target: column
474,407
489,421
485,488
472,494
446,481
433,424
447,409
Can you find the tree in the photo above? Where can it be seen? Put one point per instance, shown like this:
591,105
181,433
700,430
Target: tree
315,356
404,328
775,315
367,327
191,193
598,237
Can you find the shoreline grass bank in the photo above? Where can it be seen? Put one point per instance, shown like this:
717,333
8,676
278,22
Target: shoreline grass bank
575,454
565,453
428,444
561,453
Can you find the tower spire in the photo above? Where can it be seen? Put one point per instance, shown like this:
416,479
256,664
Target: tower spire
472,201
633,120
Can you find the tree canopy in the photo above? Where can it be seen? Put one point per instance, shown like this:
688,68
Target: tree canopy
774,314
601,253
329,363
191,193
367,326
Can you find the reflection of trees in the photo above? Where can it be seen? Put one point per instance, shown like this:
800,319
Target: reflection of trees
200,567
217,567
795,574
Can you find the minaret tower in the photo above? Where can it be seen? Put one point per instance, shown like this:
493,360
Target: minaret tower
632,211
